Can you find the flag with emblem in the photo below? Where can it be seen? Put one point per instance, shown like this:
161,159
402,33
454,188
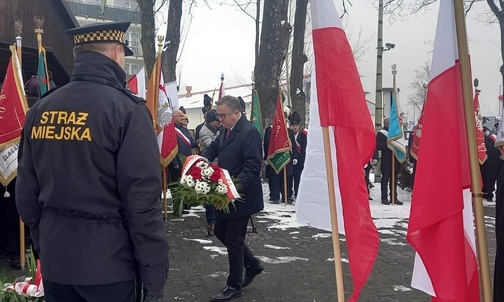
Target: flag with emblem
279,144
256,116
42,74
395,130
441,228
161,110
338,102
12,117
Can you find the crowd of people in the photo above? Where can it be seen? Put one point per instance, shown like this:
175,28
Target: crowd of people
91,202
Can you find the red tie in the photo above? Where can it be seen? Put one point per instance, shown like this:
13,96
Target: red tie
227,134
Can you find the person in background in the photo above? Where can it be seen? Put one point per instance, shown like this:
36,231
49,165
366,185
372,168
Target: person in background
185,143
298,148
209,132
386,164
238,148
9,225
89,188
491,167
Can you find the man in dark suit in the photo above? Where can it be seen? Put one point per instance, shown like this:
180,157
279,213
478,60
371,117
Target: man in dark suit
185,143
386,164
238,148
298,149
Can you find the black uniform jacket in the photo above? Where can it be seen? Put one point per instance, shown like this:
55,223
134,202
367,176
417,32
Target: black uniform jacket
241,154
386,155
300,151
89,181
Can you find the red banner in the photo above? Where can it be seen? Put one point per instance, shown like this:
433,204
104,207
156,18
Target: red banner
12,104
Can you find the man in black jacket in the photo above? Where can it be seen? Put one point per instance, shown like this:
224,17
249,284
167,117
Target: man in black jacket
239,150
185,143
386,164
88,180
298,149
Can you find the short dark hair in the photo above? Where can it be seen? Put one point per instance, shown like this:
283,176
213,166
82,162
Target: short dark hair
96,47
231,101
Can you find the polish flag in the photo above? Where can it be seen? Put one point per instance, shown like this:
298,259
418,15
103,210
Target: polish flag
338,102
441,226
137,84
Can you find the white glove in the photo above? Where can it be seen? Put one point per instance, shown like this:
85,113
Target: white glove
374,162
265,162
294,162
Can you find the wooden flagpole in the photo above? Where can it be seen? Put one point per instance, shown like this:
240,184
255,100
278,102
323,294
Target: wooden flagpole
165,192
285,184
19,48
334,216
393,178
477,195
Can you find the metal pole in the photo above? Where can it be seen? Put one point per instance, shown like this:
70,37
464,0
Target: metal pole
379,70
379,92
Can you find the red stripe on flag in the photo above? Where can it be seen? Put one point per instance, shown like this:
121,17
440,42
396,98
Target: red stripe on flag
342,104
436,229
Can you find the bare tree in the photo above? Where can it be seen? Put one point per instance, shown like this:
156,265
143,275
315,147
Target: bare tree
299,58
169,61
418,85
148,38
275,35
402,8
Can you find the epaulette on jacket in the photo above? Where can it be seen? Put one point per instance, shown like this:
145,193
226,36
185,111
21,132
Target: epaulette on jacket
133,96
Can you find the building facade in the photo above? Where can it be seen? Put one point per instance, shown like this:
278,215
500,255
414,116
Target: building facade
93,11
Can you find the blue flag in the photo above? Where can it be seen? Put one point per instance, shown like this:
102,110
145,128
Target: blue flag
395,130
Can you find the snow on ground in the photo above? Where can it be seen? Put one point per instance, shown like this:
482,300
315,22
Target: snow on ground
276,247
280,260
390,220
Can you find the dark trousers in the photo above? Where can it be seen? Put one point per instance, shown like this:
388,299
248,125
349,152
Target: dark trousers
386,183
488,188
276,186
231,232
113,292
210,214
366,175
296,175
9,227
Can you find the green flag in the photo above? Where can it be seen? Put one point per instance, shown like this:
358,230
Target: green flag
42,77
256,116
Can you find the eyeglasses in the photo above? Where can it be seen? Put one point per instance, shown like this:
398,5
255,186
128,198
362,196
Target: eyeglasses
223,115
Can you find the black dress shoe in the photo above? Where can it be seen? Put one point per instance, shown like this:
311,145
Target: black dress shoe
275,202
226,294
399,203
250,274
385,202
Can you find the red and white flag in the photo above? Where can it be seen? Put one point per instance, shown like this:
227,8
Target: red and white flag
137,84
338,102
12,118
441,228
167,137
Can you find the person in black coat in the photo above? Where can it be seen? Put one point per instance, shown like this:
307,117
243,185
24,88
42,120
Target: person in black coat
88,181
185,143
9,225
386,164
491,167
238,148
298,149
